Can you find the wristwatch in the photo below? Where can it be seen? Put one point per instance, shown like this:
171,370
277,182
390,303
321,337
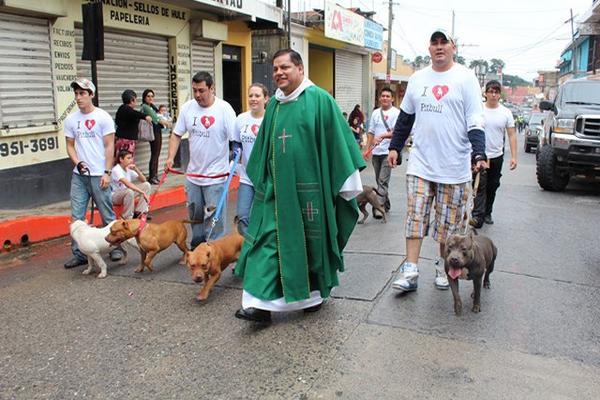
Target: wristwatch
107,172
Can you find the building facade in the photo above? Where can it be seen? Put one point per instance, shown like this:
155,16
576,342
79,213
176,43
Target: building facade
147,44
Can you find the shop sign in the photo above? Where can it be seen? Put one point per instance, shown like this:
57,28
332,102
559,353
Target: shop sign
143,13
373,35
344,25
253,8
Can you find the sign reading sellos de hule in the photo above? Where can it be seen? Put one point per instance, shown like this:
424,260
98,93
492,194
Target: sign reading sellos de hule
141,12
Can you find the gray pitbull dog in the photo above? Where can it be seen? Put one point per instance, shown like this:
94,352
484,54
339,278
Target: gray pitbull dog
469,257
369,196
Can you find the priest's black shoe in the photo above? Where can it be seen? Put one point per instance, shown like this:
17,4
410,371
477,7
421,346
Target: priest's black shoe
75,262
253,314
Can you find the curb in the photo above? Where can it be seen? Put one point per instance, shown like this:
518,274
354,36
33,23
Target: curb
38,228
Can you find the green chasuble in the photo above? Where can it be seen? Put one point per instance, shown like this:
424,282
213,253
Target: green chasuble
299,225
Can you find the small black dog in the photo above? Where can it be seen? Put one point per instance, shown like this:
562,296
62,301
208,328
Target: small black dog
369,196
469,257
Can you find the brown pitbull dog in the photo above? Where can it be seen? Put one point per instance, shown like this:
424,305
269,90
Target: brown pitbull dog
151,239
469,257
369,196
209,259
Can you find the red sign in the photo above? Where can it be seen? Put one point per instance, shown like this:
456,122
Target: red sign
377,57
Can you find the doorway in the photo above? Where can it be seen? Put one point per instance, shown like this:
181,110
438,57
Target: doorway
232,76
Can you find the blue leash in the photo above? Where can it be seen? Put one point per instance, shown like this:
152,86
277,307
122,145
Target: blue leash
215,219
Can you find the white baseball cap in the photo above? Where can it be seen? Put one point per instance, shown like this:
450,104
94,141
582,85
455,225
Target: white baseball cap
83,83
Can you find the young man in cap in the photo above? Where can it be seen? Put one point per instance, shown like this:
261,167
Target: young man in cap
90,135
498,120
443,108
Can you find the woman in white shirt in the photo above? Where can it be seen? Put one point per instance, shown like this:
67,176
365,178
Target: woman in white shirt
247,126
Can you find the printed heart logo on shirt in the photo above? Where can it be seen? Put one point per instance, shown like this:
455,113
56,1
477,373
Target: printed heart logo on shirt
439,91
89,124
207,121
254,128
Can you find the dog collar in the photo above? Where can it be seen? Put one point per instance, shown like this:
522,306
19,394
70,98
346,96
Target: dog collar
143,218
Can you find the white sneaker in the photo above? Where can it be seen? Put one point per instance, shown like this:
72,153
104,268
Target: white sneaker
441,280
408,281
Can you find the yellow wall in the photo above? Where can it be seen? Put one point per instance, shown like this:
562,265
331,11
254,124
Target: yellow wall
240,35
401,67
320,67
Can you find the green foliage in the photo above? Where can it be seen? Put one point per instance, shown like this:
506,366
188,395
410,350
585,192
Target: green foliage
514,81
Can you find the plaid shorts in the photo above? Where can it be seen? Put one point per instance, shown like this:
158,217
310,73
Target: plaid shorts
450,207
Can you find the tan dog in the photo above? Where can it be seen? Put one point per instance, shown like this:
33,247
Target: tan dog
209,259
152,239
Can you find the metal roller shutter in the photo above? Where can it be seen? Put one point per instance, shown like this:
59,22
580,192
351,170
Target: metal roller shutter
131,61
203,57
348,79
26,91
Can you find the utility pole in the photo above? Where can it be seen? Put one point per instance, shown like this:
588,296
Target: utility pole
573,49
388,74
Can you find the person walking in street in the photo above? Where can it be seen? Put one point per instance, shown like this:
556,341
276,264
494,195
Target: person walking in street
210,123
247,126
90,136
149,108
380,132
305,170
127,120
498,120
443,108
124,191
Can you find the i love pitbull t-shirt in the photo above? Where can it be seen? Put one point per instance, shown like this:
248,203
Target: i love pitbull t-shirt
446,106
246,129
210,129
89,130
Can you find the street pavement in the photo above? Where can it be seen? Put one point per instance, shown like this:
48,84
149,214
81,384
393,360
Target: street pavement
144,336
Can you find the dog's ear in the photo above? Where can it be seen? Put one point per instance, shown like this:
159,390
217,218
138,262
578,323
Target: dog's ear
125,224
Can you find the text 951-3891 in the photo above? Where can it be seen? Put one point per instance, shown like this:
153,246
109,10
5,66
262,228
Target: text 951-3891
18,147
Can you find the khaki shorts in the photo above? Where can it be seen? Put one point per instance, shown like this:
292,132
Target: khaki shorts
450,207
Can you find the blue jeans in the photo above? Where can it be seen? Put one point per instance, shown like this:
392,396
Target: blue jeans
199,197
244,204
83,188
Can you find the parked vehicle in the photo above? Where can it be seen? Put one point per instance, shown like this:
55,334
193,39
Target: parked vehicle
572,144
533,130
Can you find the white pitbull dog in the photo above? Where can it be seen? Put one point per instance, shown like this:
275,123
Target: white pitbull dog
92,243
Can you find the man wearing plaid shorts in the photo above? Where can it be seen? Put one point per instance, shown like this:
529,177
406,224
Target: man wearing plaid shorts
443,108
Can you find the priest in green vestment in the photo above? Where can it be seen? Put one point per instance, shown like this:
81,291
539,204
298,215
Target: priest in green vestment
305,168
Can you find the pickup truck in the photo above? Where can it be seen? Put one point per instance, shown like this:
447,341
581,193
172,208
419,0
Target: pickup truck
571,145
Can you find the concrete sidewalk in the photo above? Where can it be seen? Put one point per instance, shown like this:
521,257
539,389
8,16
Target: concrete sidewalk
25,226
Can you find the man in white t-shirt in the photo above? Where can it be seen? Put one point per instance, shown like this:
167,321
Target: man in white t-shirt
125,191
380,131
443,108
498,120
210,123
90,135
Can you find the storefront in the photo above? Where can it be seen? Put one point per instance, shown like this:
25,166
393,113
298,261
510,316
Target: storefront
147,44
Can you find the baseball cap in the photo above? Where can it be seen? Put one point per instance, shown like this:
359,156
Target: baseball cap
441,32
83,83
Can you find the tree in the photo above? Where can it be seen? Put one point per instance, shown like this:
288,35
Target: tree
421,61
496,65
460,60
475,63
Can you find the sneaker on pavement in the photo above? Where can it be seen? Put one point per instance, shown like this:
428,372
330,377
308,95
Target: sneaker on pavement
441,280
408,281
116,255
488,220
75,262
475,223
